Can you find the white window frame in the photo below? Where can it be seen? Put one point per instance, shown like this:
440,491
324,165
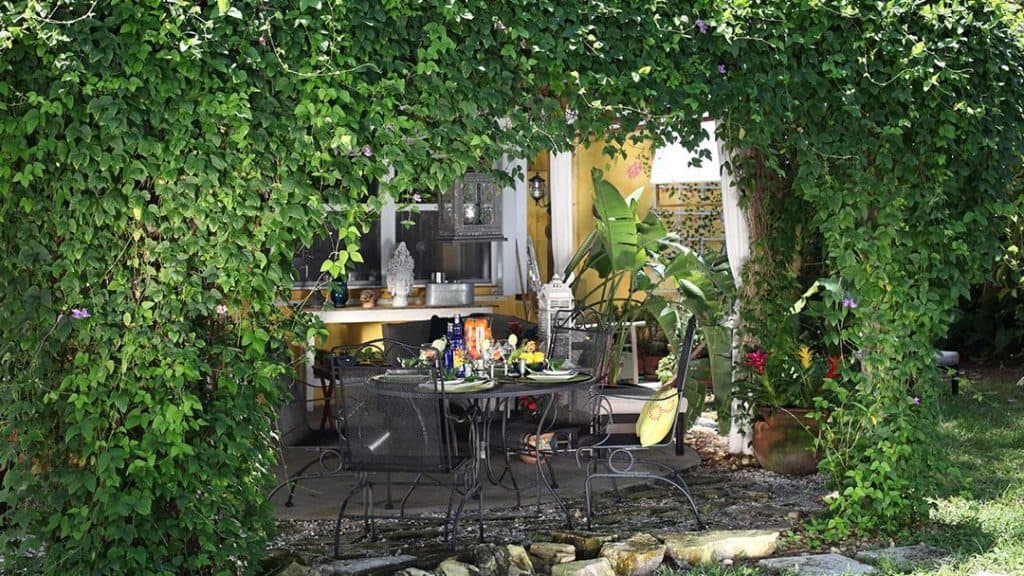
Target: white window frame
389,237
508,257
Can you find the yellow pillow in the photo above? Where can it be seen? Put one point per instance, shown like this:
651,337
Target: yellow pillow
657,415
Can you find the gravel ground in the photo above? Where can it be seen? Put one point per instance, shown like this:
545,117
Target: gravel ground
731,492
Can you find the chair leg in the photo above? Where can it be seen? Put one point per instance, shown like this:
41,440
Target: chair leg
551,473
615,482
680,485
341,515
293,483
405,499
455,520
587,490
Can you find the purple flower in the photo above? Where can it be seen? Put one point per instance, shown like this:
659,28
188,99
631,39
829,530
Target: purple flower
722,69
222,309
367,151
80,313
916,400
702,26
262,41
849,303
417,197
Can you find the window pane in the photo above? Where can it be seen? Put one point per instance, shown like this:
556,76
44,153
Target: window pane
308,261
463,261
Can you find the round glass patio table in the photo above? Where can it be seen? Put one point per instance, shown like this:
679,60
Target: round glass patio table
482,404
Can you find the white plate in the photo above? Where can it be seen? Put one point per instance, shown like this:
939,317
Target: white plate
551,377
569,372
456,386
399,378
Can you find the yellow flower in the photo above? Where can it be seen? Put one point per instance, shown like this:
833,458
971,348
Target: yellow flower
804,354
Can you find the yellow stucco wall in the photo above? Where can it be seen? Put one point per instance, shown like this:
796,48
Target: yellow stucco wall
627,174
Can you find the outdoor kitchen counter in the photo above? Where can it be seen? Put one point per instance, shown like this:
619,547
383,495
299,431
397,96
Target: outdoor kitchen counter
384,314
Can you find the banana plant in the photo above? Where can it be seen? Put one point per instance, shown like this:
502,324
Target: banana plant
645,257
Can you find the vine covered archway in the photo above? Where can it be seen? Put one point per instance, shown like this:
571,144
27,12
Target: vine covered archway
161,161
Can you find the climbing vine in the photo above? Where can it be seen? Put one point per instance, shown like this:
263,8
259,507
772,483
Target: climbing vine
160,163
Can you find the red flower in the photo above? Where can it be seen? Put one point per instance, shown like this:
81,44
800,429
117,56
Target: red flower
757,360
833,368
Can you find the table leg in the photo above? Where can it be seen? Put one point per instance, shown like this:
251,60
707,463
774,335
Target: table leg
539,463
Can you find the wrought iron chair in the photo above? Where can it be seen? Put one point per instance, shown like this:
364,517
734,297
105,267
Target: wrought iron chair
581,340
615,452
295,432
293,422
409,430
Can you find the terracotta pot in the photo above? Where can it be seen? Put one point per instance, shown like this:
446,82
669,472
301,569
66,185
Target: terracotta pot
545,443
784,441
649,365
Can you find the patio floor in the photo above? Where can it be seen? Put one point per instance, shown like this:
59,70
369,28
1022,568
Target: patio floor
319,499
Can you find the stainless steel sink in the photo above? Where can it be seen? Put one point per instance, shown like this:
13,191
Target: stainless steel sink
449,294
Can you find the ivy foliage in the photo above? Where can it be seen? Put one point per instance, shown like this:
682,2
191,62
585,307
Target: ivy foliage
897,127
160,162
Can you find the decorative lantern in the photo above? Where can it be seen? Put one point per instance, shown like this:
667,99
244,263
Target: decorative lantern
555,303
470,210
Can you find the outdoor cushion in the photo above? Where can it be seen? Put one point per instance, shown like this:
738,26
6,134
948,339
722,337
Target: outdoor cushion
658,415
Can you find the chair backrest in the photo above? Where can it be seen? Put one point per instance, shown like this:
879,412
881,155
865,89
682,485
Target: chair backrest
683,371
407,432
416,331
580,338
583,339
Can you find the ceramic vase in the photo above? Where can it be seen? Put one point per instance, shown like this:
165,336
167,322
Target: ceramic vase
339,294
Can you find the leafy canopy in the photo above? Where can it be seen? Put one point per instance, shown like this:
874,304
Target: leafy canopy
160,162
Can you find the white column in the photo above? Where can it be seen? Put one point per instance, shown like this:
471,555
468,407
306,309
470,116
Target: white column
560,173
737,246
512,255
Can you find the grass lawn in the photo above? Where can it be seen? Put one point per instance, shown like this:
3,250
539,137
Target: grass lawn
980,523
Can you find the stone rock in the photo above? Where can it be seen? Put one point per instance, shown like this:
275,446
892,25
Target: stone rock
640,555
413,572
905,558
452,567
296,569
280,563
710,546
553,553
592,567
361,566
587,544
494,560
817,565
519,558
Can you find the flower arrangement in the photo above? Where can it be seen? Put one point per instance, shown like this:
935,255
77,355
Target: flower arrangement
529,352
795,366
788,378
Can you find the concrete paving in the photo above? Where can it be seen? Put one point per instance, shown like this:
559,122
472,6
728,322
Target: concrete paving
319,499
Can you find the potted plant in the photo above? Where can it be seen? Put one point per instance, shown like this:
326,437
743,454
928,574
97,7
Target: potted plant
652,344
783,377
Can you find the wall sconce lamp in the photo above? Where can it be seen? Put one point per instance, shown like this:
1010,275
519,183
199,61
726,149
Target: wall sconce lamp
539,191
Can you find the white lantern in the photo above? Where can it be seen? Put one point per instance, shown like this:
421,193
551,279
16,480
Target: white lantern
554,305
